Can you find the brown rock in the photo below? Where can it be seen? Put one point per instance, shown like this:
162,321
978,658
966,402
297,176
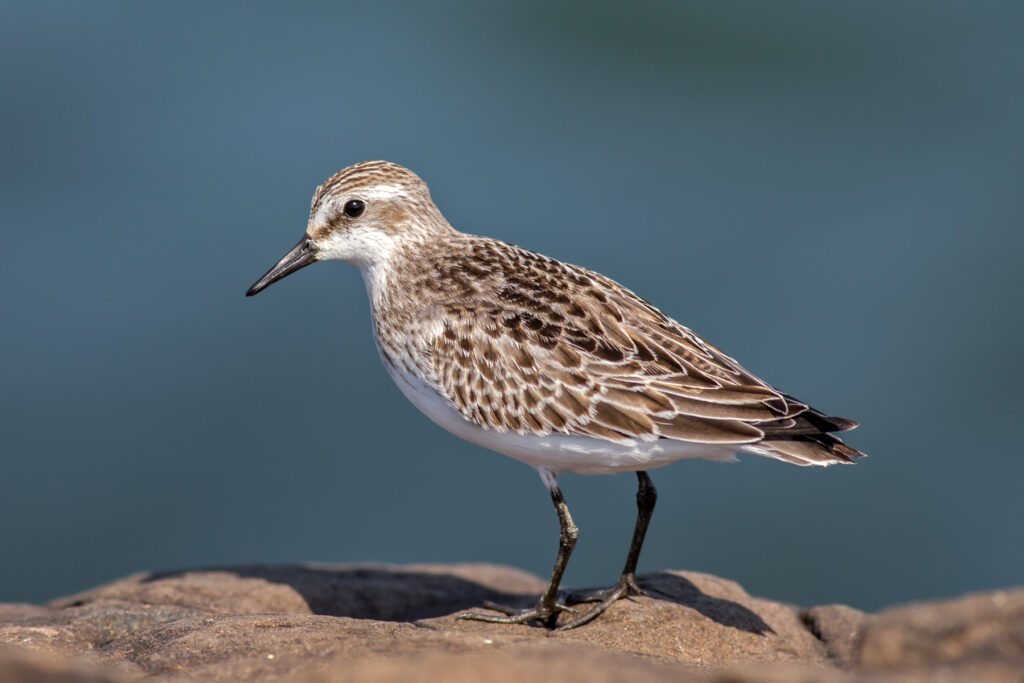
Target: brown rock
20,665
838,627
976,628
690,618
510,665
226,592
377,622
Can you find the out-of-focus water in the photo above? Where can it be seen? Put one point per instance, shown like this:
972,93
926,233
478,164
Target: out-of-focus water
830,192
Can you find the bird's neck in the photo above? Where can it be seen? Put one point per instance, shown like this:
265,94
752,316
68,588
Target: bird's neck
392,280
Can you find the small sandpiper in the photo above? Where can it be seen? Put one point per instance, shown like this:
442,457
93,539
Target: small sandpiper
549,363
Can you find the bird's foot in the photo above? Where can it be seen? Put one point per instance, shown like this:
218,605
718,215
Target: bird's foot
604,598
626,582
545,614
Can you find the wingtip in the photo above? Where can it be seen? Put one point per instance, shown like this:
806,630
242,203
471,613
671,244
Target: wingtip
843,424
847,454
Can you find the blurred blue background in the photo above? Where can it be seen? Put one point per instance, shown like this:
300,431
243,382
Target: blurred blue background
830,192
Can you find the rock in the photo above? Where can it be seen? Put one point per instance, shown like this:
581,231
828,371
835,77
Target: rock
511,665
377,622
690,618
976,628
838,627
22,665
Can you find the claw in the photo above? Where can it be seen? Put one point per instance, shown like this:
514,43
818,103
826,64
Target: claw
625,588
596,611
515,615
626,582
519,618
504,609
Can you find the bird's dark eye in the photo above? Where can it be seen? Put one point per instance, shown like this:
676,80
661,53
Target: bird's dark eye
354,208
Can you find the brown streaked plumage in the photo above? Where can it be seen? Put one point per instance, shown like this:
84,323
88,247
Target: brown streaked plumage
547,362
520,342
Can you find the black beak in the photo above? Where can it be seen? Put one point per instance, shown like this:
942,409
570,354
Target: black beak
301,255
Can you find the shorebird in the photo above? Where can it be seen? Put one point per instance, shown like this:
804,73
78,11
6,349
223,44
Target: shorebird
549,363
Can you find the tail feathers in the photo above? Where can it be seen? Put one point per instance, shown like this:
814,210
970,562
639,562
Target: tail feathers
821,449
805,439
808,422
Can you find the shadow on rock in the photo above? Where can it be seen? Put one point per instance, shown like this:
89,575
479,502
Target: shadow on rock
675,588
378,593
386,593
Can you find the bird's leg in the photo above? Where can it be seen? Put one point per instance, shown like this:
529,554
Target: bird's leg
646,497
548,606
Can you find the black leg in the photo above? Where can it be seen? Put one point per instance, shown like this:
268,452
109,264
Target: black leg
548,606
646,497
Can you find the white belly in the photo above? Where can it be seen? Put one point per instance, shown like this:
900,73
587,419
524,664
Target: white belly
554,452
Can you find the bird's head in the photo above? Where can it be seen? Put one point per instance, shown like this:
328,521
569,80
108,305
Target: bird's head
361,215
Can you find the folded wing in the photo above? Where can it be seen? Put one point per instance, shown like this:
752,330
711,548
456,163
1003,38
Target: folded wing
569,351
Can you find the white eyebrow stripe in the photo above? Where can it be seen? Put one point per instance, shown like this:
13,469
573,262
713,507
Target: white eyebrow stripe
380,192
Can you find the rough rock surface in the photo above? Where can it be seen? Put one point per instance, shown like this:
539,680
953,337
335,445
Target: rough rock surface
382,623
